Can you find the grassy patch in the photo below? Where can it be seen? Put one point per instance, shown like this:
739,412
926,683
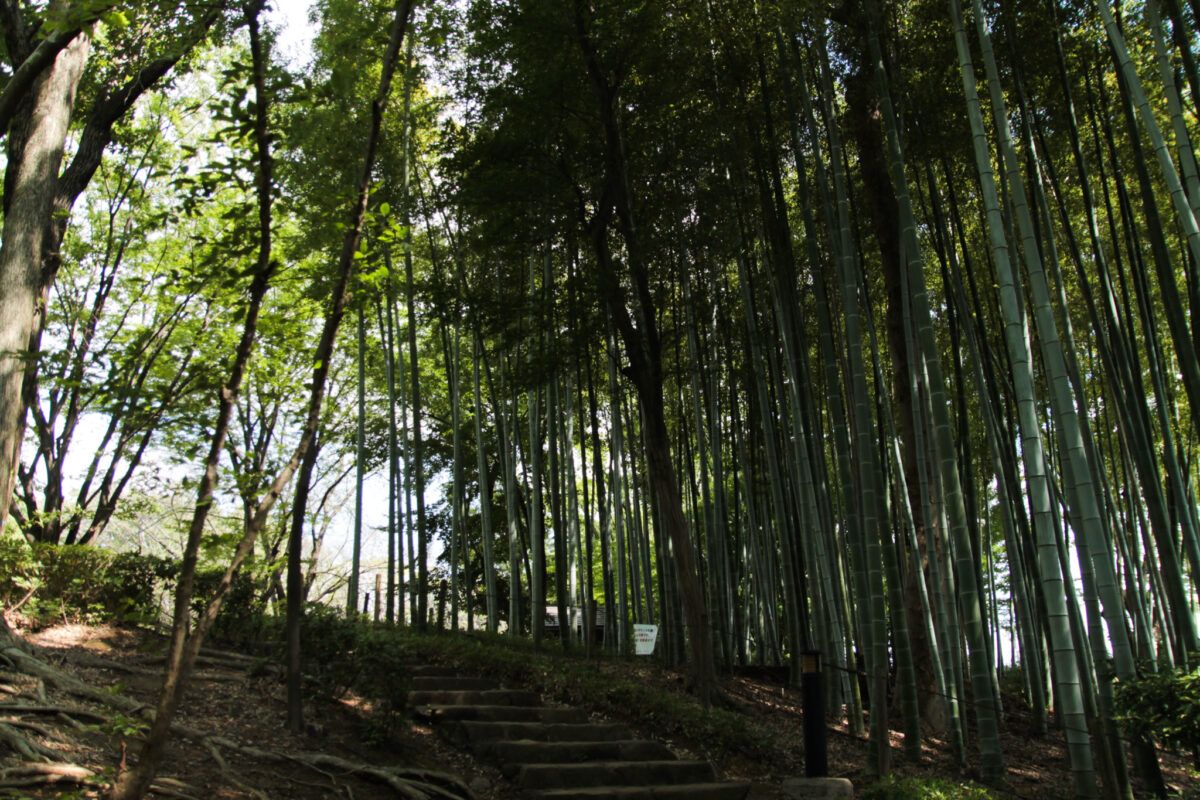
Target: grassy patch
913,788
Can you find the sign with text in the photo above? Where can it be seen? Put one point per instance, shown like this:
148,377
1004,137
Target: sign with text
644,638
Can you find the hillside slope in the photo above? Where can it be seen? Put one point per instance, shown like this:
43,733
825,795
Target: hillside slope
237,747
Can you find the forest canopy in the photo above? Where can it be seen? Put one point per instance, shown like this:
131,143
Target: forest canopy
860,328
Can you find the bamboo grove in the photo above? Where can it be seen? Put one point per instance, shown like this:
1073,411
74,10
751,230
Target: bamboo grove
859,328
884,305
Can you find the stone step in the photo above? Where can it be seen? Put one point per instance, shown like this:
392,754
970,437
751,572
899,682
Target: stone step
685,791
613,773
440,713
431,670
452,683
482,737
554,753
512,755
477,697
817,789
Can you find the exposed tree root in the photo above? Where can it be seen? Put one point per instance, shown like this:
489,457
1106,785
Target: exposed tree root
215,752
101,662
9,680
230,660
169,787
32,665
36,774
222,660
41,730
23,746
68,711
228,655
411,784
341,788
68,771
25,775
408,783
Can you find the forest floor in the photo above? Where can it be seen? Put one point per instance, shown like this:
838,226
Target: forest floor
251,756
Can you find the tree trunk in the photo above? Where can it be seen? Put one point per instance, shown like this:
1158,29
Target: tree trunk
360,455
485,498
184,647
862,98
1067,674
643,348
417,464
322,359
35,154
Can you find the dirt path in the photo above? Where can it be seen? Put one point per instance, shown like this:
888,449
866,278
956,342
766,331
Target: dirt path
245,706
224,700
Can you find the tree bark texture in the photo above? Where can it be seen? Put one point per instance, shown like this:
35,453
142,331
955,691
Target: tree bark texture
35,155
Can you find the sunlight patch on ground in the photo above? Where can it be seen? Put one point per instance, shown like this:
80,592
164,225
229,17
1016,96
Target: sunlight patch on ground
68,635
100,638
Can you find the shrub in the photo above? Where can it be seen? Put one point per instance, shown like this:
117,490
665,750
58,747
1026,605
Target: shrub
72,579
19,570
352,654
1012,681
82,582
344,654
132,585
912,788
1163,706
329,649
240,620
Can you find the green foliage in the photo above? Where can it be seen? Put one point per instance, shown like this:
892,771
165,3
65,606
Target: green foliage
344,655
1162,706
617,692
330,650
131,584
82,582
350,654
376,729
19,571
1012,681
72,575
240,619
121,725
913,788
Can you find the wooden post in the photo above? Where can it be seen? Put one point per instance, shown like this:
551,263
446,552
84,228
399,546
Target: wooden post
378,593
441,605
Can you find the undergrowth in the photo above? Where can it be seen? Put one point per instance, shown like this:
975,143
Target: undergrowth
80,583
355,655
913,788
660,706
1162,703
351,654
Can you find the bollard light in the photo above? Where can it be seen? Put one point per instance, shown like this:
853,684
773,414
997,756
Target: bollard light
812,692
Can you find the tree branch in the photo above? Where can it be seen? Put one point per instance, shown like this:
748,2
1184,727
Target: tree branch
23,77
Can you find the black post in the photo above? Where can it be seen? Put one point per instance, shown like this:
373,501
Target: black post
812,691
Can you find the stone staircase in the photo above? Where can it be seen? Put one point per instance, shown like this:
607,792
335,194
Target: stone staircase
556,752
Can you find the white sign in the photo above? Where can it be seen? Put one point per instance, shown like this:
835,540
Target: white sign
644,638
